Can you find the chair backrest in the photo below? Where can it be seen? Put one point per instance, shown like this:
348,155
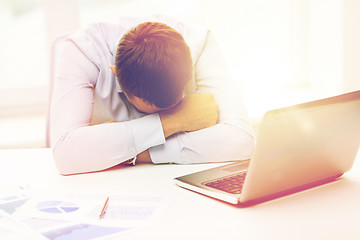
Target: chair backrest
54,52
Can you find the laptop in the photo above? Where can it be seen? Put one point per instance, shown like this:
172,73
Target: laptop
297,148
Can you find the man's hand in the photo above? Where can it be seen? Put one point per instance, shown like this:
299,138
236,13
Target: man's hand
193,113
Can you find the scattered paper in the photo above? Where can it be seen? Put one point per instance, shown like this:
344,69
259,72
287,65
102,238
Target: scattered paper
13,229
13,197
67,216
126,210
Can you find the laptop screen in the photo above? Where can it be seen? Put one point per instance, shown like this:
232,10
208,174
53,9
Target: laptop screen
304,143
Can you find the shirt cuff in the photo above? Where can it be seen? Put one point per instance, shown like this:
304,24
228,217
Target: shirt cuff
146,132
166,153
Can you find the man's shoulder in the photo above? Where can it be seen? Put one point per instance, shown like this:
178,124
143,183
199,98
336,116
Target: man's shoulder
98,36
195,36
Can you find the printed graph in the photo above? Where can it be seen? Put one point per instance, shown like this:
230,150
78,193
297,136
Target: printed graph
57,207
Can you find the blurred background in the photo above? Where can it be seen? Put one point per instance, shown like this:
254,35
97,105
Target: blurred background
280,52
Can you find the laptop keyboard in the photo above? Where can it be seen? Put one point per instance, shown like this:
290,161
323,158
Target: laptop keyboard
232,184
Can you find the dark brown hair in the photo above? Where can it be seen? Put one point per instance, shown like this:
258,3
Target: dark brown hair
153,62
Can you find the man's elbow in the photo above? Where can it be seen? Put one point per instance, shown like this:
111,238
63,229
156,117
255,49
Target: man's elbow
62,164
247,146
72,159
68,157
240,144
67,161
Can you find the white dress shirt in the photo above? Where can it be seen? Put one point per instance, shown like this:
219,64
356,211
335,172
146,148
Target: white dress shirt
87,93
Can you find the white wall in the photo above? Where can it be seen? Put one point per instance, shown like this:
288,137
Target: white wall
61,17
325,45
351,45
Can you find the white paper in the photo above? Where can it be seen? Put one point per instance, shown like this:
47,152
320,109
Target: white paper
13,229
12,197
126,210
64,230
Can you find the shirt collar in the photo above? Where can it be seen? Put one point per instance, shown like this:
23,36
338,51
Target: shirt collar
117,86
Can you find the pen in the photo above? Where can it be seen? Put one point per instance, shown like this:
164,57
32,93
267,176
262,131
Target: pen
103,210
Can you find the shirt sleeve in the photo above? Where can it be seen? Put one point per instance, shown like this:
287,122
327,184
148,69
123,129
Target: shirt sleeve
79,147
232,138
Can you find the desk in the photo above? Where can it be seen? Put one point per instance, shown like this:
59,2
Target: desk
330,211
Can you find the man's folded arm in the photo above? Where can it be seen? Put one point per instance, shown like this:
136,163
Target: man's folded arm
230,140
79,147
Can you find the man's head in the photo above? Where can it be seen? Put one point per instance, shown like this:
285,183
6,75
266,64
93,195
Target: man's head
153,65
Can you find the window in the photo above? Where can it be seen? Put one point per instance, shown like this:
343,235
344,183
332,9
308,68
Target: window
23,68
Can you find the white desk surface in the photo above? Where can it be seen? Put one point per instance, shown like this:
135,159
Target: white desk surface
330,211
